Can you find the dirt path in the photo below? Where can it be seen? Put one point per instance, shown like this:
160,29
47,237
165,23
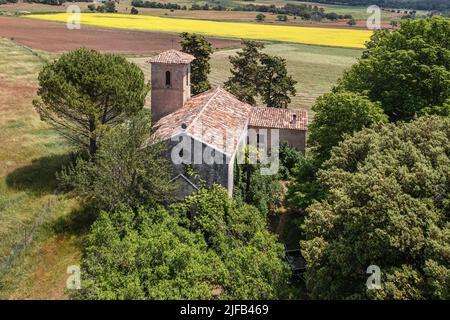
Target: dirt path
55,37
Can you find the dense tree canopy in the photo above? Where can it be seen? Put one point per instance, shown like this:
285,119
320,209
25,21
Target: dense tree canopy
84,91
289,158
275,86
304,187
407,70
254,74
388,205
147,255
201,49
337,114
245,72
184,252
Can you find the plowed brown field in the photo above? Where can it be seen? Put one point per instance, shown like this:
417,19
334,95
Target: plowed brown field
55,37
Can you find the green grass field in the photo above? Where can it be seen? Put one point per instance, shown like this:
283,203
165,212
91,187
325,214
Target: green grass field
315,68
30,154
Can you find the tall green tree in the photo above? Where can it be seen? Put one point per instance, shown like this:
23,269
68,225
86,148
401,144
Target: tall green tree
338,114
254,74
388,205
84,91
201,49
407,70
127,171
244,79
275,85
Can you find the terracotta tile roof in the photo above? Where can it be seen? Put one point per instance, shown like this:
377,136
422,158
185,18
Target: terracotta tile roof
172,57
214,117
279,118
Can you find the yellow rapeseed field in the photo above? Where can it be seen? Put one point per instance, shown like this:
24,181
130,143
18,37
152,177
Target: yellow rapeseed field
307,35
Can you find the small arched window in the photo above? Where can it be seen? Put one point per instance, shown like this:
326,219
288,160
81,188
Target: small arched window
168,83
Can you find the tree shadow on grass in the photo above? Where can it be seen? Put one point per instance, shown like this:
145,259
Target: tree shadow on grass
78,222
39,177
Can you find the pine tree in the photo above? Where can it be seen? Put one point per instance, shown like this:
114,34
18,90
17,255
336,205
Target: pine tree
245,71
84,91
275,85
256,74
201,49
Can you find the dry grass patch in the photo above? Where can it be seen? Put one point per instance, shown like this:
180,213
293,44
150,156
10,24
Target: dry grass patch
30,155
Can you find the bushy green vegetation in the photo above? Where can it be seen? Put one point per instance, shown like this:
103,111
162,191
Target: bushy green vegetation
304,11
160,5
203,247
374,193
127,172
275,85
316,69
250,186
406,70
388,205
339,114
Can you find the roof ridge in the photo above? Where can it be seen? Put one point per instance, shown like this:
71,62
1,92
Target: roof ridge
232,95
205,105
172,56
177,52
285,109
279,118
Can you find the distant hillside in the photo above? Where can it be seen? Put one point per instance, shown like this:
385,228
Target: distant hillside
441,5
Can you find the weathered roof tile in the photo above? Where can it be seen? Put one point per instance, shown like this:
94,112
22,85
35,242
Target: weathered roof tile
215,117
279,118
172,57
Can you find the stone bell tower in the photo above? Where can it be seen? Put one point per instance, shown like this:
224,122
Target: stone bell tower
171,83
